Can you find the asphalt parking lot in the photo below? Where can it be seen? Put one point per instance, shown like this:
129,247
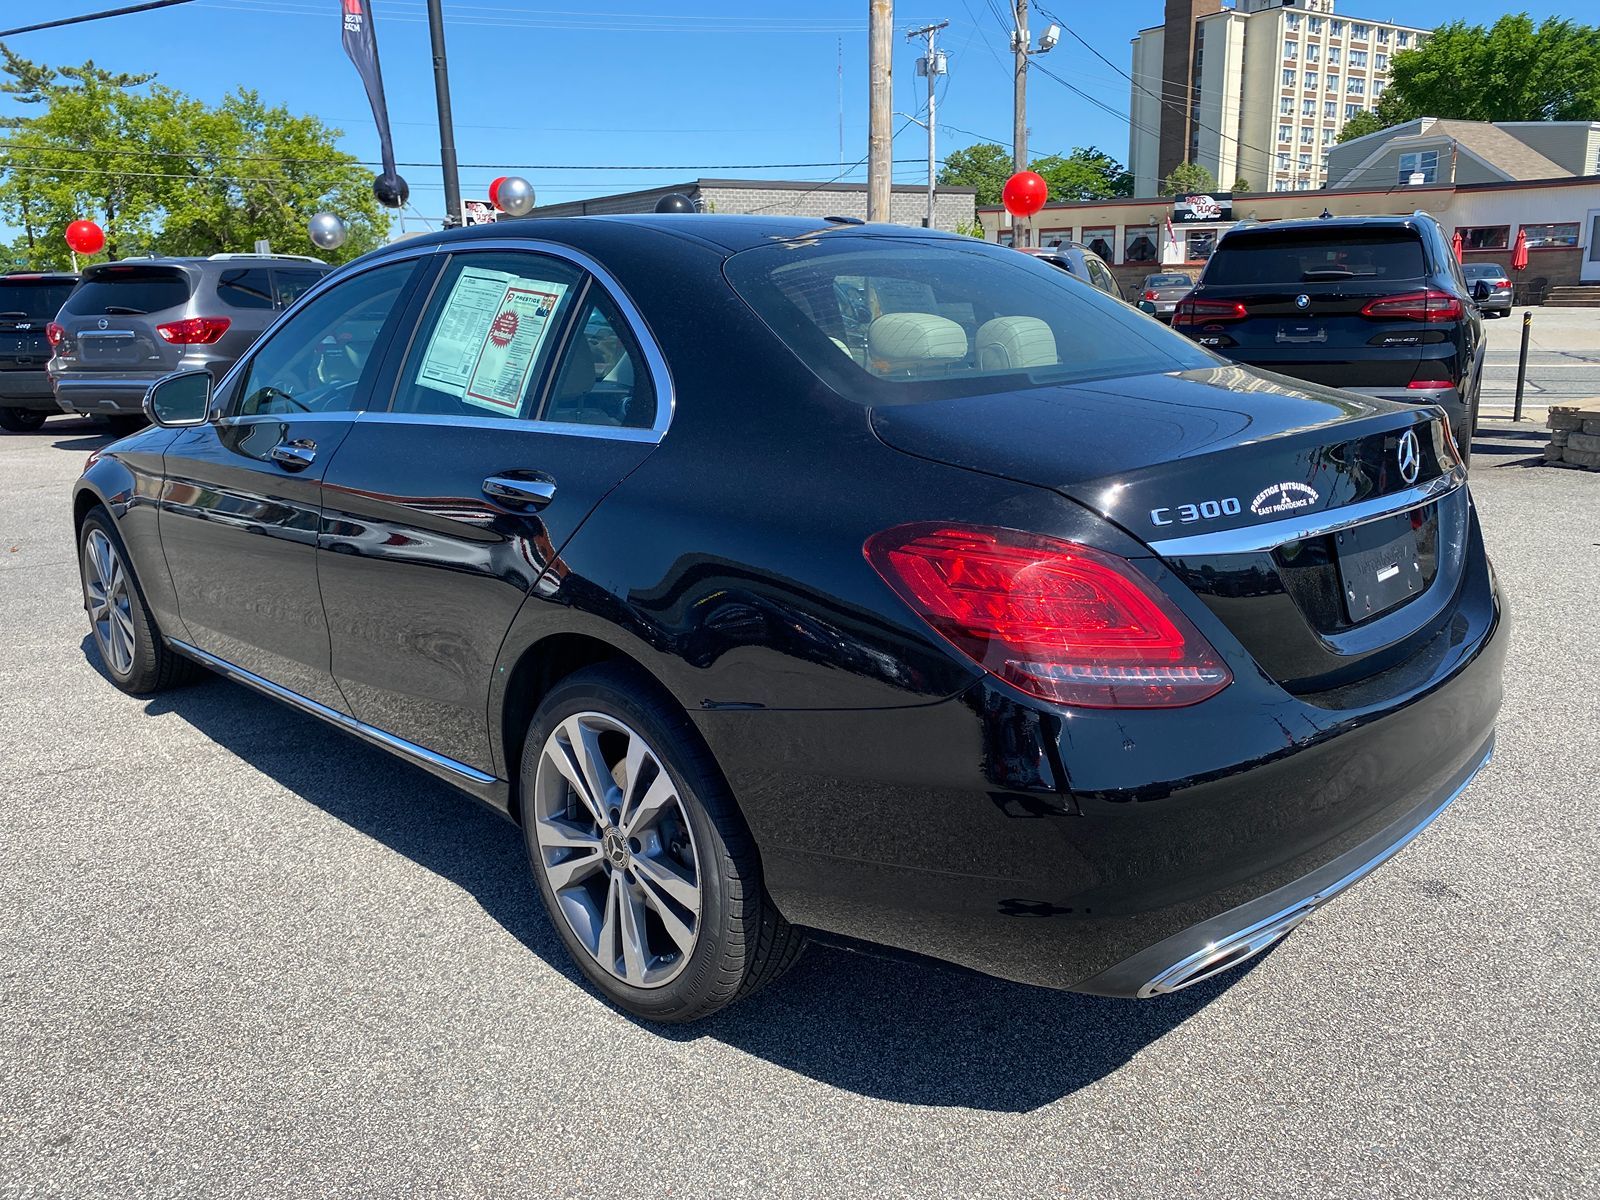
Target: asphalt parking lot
241,953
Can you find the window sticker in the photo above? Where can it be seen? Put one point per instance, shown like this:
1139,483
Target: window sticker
488,337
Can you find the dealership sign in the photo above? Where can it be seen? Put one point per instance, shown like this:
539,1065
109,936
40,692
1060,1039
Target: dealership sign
1203,206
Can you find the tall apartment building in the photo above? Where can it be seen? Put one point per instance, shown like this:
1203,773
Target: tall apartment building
1258,91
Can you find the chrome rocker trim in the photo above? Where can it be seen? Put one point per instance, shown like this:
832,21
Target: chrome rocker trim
471,778
1236,948
1257,539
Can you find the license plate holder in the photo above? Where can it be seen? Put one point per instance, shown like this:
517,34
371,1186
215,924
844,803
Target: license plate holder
1301,334
1379,565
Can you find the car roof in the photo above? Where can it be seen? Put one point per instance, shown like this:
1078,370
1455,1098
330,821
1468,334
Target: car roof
1312,224
728,231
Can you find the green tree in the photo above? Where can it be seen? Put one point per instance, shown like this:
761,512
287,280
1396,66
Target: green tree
1510,71
1241,184
1188,177
1085,174
983,165
163,172
1364,122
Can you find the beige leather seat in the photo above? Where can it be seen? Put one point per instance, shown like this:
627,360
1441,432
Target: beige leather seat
914,341
1015,343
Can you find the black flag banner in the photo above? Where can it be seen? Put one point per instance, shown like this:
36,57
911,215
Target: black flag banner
361,44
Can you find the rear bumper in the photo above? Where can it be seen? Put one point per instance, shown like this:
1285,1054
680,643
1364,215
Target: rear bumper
26,389
112,395
1109,851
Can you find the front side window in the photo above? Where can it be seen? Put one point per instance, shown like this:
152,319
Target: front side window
900,319
490,328
319,359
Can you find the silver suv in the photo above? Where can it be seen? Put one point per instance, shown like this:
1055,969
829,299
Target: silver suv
128,323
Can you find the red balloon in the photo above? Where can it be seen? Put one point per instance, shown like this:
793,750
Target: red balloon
494,191
86,237
1024,194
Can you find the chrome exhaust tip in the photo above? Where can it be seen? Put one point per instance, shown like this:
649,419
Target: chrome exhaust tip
1227,953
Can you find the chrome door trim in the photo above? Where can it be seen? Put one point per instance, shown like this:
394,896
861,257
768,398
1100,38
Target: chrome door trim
1257,539
613,433
420,754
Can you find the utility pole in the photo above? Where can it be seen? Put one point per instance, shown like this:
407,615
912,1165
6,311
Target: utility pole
933,65
1021,48
1019,90
879,136
447,128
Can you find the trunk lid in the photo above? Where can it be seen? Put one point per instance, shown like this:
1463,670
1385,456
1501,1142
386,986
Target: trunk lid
1231,476
110,321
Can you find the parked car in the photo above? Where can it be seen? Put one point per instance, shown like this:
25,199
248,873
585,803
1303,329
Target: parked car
1160,293
29,301
1079,260
128,323
1498,301
1371,305
1036,638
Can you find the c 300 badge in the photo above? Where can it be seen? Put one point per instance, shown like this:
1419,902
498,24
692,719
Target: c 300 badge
1284,497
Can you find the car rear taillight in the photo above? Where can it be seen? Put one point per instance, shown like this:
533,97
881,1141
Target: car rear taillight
194,331
1207,312
1060,621
1418,385
54,333
1429,305
1150,294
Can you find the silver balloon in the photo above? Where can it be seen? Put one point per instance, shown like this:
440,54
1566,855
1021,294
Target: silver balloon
328,231
515,196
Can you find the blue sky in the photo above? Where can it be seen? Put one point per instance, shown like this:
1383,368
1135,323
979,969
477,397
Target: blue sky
708,86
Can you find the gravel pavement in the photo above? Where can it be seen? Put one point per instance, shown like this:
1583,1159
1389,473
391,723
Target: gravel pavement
242,954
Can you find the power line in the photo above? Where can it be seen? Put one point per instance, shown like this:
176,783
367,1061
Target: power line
94,16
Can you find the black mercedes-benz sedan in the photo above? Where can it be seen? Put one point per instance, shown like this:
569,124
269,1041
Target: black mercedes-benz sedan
785,577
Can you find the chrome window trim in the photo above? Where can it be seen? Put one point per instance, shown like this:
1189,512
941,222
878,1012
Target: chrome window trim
1258,539
638,327
348,723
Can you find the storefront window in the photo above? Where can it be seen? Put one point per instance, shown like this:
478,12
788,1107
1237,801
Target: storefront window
1201,243
1101,241
1563,233
1139,244
1486,237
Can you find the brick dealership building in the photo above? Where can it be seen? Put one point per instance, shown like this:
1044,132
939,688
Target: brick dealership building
954,207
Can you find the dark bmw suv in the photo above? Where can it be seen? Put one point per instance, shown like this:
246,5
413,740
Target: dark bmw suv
1375,305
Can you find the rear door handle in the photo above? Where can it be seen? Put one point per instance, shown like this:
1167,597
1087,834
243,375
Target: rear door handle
294,456
536,492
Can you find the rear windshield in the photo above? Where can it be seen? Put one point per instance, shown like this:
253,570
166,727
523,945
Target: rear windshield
1309,258
896,319
1483,271
130,290
37,298
1161,281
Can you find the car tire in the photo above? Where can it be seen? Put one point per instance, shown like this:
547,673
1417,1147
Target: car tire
663,858
131,648
22,420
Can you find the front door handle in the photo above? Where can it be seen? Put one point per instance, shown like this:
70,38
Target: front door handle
294,456
535,492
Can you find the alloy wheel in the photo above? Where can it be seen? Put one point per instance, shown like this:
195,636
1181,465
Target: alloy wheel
105,585
617,849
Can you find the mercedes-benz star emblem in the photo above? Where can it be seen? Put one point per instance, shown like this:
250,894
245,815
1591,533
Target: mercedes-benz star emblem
1302,301
1409,455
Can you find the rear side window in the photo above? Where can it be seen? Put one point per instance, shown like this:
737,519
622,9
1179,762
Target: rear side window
130,290
294,282
1274,259
887,320
245,287
42,299
602,379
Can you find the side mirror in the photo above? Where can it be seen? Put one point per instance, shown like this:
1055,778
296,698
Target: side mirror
1480,290
1147,306
179,400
